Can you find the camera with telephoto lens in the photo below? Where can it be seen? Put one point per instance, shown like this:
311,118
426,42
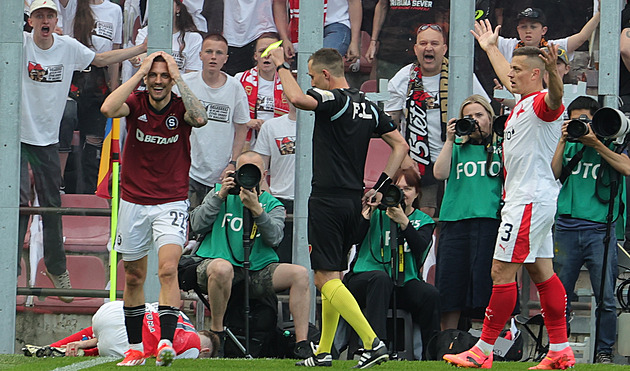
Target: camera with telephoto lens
465,126
392,197
247,176
577,128
610,123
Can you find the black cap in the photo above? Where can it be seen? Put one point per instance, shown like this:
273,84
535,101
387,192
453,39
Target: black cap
534,14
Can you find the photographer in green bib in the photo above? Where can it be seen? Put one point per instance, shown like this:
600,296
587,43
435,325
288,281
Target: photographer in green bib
583,205
470,161
371,279
220,219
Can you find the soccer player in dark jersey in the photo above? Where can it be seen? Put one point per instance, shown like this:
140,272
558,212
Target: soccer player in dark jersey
344,123
154,207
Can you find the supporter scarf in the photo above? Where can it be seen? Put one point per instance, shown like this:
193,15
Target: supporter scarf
543,44
249,80
417,133
294,18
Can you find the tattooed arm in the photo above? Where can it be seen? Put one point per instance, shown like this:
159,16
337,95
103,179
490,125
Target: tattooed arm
195,114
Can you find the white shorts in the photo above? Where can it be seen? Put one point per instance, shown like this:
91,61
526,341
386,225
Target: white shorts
525,233
140,227
108,324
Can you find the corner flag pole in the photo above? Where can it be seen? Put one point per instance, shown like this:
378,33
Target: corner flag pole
113,256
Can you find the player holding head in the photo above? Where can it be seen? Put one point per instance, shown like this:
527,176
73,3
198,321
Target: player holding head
154,180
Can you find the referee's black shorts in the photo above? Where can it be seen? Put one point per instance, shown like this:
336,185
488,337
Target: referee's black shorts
332,224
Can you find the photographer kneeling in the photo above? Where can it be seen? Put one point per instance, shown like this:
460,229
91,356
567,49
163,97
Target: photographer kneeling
220,218
470,212
582,210
370,278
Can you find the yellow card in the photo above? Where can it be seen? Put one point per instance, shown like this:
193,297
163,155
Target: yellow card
270,48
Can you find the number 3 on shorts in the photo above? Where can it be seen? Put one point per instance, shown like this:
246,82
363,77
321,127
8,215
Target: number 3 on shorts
506,232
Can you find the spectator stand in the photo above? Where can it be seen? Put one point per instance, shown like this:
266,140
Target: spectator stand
361,70
86,236
85,233
22,281
86,272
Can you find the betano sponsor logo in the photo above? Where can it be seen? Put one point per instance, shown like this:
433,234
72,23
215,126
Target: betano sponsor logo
146,138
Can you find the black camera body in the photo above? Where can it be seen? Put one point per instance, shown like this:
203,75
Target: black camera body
577,128
465,126
247,176
498,125
392,197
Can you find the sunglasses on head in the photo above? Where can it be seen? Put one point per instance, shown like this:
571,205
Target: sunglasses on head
530,13
432,26
562,52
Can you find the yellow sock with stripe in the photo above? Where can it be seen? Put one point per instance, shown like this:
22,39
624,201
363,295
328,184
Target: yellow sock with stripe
330,319
346,305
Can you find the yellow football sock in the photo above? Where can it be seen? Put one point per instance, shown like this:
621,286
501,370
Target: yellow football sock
330,319
346,305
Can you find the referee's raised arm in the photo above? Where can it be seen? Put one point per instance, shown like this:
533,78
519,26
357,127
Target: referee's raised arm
290,87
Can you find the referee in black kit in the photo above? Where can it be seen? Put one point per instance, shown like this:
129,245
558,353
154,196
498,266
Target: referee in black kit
344,123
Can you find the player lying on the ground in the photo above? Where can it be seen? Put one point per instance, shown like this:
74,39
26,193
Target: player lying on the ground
107,337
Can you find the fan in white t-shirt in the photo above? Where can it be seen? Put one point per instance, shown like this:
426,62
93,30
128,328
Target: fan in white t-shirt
263,88
107,32
532,27
186,39
276,144
243,22
215,147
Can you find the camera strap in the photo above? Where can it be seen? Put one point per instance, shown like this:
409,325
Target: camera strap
614,176
622,147
566,170
401,257
252,238
381,241
490,145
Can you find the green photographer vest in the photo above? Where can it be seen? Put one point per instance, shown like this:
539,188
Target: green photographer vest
577,197
470,192
225,240
375,253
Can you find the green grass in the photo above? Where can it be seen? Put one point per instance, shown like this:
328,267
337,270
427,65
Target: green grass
19,362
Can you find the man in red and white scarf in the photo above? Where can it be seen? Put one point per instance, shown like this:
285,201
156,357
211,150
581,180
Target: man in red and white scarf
263,88
418,100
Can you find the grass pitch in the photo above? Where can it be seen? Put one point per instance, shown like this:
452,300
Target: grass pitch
20,362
